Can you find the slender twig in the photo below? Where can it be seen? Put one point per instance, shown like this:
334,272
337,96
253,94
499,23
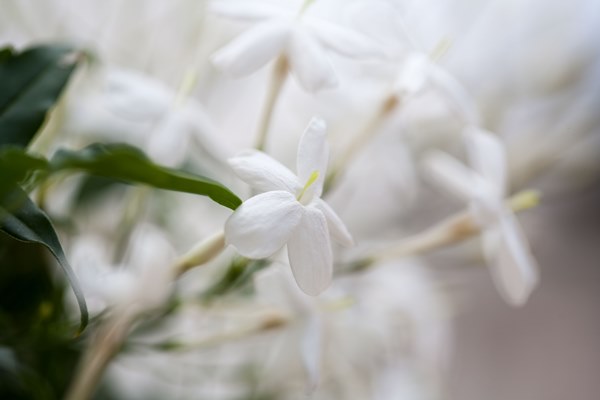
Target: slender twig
452,230
360,140
280,73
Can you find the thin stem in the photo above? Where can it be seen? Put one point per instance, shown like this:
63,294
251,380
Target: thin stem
104,346
200,254
452,230
280,73
364,136
268,323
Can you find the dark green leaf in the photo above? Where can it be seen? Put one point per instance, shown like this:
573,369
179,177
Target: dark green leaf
30,83
23,220
126,163
16,165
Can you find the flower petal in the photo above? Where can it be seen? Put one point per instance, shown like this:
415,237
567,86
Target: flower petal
487,156
310,63
454,176
414,75
253,48
310,347
343,41
454,89
313,155
336,226
513,267
263,173
263,224
245,10
309,251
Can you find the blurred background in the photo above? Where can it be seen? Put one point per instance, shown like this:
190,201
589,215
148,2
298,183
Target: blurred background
532,69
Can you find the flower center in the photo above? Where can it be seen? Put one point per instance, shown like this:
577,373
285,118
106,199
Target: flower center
311,179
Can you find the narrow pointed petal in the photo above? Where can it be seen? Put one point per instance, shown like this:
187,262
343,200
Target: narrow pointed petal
313,154
487,156
336,226
246,10
263,172
263,224
513,267
456,92
454,176
310,346
342,40
253,48
310,62
309,251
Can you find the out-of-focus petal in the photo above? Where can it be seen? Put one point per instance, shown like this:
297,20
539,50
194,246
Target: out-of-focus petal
336,226
263,223
263,173
454,177
310,347
247,10
487,156
456,92
513,267
313,154
309,251
310,63
343,40
413,76
253,48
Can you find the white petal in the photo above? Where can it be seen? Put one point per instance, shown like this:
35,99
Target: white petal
310,346
263,224
263,173
168,143
513,267
253,48
343,40
313,154
454,176
462,100
336,226
246,10
414,75
310,63
487,156
309,251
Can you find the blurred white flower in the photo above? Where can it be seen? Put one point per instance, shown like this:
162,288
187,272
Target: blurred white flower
142,283
303,40
504,244
290,211
131,107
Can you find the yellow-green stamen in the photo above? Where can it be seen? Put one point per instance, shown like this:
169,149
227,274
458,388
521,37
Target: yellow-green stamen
311,179
306,4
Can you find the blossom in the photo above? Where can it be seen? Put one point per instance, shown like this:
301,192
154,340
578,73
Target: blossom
303,40
141,283
129,106
504,244
290,211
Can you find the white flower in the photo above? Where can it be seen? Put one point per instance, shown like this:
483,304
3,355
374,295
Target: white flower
304,40
505,246
290,212
131,107
143,284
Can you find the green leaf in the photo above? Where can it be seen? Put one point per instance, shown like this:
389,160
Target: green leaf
128,164
21,219
30,83
16,165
